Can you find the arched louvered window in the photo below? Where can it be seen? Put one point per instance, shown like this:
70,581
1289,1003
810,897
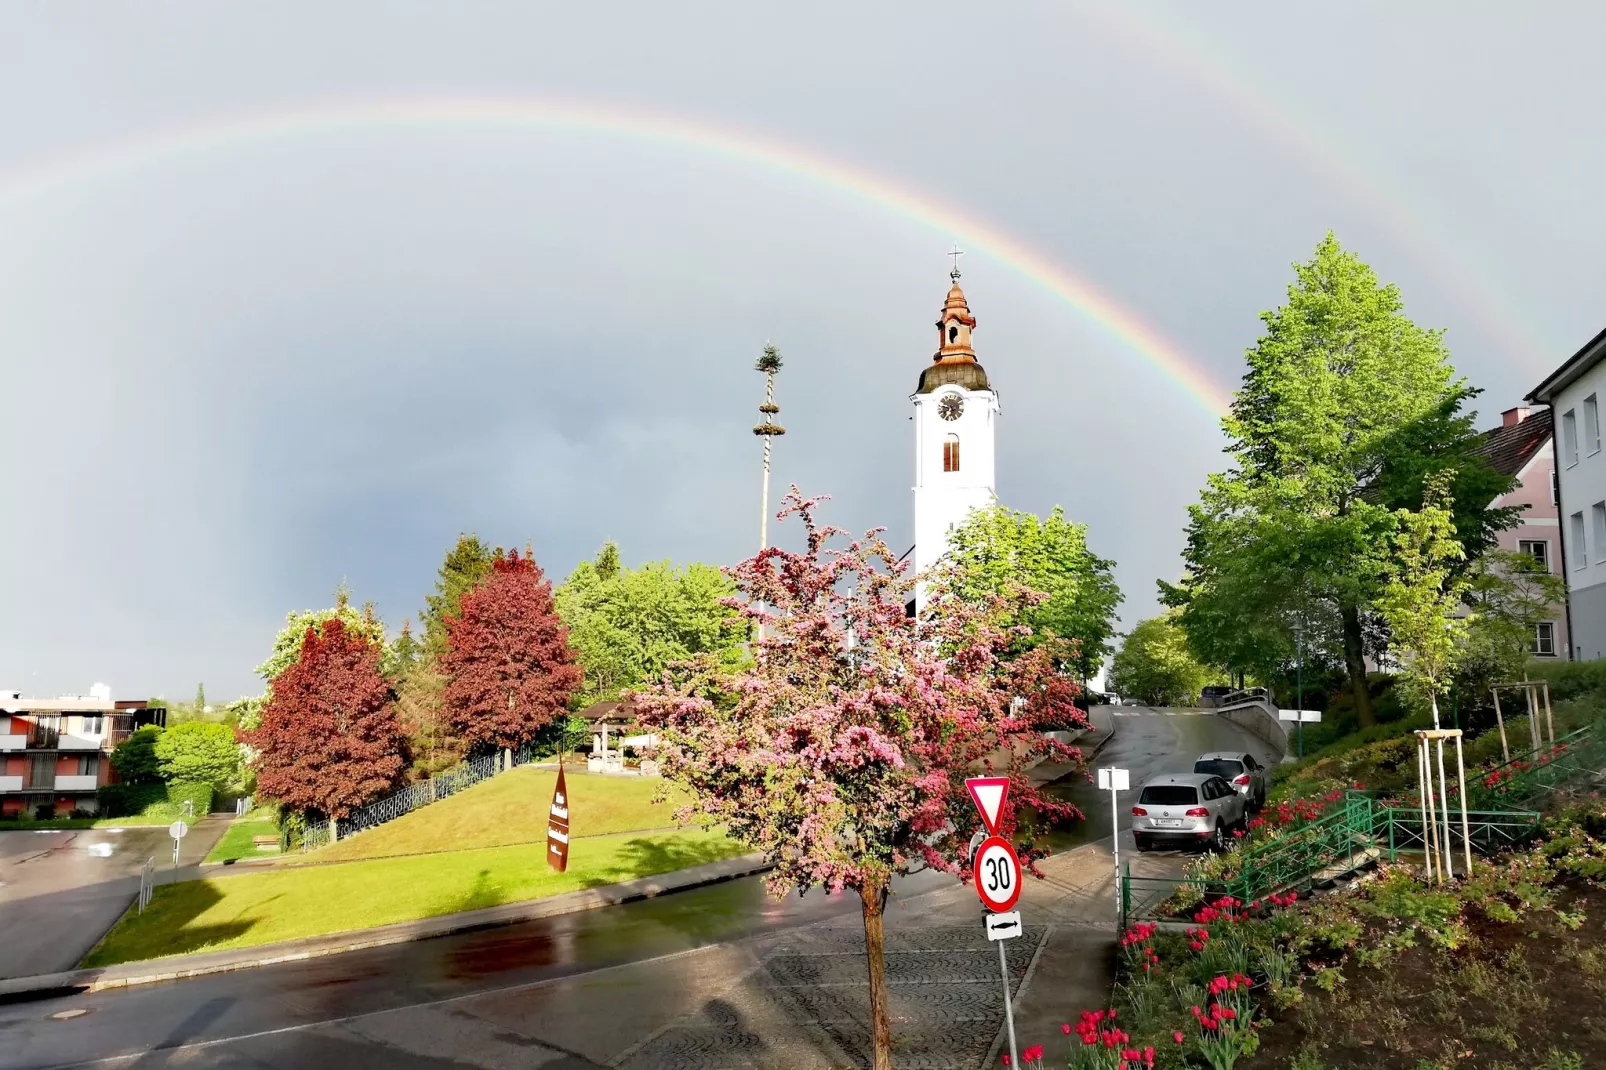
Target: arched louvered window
950,453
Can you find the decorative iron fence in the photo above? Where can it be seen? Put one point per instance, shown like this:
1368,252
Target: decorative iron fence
442,785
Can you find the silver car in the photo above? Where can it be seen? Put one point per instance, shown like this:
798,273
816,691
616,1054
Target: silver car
1239,769
1197,808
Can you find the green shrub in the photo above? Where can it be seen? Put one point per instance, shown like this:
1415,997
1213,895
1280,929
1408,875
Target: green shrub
198,794
135,757
199,752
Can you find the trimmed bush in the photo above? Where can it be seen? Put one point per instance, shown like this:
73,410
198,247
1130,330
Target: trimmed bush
198,794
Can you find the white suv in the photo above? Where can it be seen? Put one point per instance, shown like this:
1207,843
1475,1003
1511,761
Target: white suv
1197,808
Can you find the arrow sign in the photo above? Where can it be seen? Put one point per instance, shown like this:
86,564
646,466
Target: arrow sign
988,793
1003,926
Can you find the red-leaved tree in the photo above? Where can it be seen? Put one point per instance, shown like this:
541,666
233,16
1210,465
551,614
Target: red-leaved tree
509,666
841,751
329,740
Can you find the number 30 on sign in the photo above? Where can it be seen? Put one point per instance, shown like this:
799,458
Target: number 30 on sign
997,874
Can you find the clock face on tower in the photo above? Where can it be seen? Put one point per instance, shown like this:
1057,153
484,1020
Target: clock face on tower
951,407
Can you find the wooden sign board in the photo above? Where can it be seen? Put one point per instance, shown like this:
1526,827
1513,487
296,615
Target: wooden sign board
557,827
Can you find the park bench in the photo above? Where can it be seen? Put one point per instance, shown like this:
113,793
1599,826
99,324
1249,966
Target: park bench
265,843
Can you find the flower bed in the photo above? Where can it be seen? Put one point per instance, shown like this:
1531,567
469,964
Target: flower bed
1507,966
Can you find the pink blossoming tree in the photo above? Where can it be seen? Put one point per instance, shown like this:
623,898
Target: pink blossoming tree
841,750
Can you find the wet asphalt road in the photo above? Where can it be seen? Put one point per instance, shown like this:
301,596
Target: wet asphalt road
288,1015
60,890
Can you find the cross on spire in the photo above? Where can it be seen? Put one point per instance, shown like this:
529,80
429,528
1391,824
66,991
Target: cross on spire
956,254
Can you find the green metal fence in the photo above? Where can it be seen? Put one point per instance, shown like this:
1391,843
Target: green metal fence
1491,831
1574,762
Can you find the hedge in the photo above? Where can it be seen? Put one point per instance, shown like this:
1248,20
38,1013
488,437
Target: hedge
154,800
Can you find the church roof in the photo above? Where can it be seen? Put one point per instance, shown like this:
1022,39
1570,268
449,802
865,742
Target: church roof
954,363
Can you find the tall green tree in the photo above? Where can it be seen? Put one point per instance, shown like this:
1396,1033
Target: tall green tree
997,547
466,564
1347,409
1421,596
1155,666
363,623
627,625
200,701
402,655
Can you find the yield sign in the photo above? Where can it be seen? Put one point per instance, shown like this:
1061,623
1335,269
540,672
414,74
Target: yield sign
989,793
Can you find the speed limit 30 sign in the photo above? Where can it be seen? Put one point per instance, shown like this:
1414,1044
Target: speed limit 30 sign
997,874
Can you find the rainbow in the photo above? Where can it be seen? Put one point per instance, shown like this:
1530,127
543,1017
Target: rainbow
1328,159
740,147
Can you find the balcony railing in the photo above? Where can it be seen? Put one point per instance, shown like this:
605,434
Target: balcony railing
10,783
44,738
77,783
16,742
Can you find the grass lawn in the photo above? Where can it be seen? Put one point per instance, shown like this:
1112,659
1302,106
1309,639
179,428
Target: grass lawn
509,809
295,901
236,842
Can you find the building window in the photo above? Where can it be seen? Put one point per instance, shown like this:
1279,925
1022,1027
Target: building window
1575,531
89,765
950,453
1538,549
93,724
1597,519
1544,643
1569,438
1591,425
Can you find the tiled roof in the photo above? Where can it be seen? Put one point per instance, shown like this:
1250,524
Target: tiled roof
1507,449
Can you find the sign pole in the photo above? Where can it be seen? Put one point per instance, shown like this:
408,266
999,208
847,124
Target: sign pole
1116,781
1009,1011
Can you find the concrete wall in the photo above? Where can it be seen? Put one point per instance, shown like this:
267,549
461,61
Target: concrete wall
1261,723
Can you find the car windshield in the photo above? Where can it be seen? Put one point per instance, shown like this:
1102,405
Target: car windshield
1221,767
1169,795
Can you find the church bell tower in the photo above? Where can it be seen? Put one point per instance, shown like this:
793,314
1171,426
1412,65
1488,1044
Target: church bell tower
955,414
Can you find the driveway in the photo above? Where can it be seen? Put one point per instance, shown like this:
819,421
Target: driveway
61,891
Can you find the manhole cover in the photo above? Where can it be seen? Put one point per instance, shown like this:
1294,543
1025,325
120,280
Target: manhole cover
76,1012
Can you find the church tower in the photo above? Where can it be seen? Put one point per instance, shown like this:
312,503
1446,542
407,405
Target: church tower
955,413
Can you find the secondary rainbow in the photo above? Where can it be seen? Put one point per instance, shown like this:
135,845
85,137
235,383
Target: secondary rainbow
1103,310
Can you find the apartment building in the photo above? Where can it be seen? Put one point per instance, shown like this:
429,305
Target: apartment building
55,752
1574,392
1521,447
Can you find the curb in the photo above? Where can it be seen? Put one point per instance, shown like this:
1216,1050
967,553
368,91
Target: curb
178,967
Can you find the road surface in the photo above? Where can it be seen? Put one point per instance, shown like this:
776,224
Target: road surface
713,977
61,890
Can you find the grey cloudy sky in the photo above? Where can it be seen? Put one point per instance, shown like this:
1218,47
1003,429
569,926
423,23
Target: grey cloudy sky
240,362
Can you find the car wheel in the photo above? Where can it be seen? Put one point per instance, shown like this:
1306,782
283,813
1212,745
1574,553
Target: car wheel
1142,842
1218,838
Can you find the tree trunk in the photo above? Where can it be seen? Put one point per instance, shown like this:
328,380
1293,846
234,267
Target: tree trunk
875,956
1355,665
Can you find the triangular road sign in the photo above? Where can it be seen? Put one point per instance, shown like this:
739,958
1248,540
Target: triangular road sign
989,793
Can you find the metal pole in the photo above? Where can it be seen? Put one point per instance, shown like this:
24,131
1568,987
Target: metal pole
1299,703
1550,721
1009,1012
1461,774
1115,827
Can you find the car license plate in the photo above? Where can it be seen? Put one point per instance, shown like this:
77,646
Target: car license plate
1165,824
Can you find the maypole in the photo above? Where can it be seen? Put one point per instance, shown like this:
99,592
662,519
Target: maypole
769,362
